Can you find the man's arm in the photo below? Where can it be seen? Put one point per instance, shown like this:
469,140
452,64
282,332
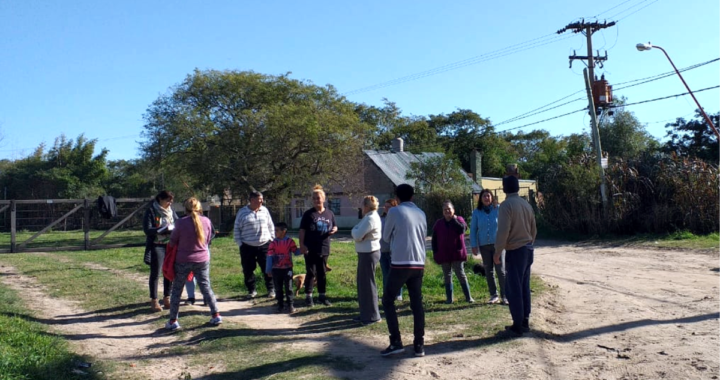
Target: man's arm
502,232
270,224
301,237
237,230
389,226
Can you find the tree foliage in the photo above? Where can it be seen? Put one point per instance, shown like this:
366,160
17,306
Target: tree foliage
438,174
693,138
245,131
623,136
69,169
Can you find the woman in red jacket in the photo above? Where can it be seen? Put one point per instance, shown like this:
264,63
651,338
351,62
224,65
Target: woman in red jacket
448,244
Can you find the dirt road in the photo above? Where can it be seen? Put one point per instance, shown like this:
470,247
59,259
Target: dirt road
610,313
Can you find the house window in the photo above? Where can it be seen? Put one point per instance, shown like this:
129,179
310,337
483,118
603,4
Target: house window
335,206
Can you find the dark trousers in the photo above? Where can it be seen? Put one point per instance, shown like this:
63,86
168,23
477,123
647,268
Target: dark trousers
412,279
157,256
366,288
517,282
250,258
315,268
282,279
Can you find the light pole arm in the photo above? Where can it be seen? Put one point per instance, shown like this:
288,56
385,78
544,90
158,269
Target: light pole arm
707,118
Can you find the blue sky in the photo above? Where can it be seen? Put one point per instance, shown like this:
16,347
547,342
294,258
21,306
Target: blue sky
94,67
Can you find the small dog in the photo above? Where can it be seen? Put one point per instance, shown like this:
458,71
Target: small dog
479,269
299,283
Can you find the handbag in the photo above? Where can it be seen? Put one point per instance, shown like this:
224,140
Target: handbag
168,267
146,257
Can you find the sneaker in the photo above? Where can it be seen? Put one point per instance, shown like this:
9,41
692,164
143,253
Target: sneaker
253,294
172,325
494,299
419,350
393,349
216,320
505,301
309,301
190,301
271,294
470,300
291,309
325,301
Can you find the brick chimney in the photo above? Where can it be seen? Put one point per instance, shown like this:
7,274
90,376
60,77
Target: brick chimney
397,145
476,166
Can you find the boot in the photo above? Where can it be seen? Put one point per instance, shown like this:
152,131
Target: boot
166,302
154,305
449,293
466,290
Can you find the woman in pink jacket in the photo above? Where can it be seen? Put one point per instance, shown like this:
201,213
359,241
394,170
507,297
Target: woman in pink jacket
448,244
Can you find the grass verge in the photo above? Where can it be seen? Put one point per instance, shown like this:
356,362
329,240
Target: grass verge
29,351
122,292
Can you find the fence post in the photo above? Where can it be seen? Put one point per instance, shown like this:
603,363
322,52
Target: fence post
86,223
13,228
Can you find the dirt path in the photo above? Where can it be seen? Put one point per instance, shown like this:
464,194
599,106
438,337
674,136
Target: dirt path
611,313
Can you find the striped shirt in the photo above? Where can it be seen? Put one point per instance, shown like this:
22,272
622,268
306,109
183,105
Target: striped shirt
253,228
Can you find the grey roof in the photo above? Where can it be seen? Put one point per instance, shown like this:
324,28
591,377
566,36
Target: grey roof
395,165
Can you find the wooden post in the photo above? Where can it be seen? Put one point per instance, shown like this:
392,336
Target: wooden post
86,223
13,227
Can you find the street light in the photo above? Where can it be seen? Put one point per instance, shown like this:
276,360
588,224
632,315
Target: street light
649,46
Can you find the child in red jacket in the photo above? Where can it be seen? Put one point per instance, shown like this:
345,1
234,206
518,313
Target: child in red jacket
279,265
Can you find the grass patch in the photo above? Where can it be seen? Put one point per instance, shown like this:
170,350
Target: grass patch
29,351
244,352
54,239
675,240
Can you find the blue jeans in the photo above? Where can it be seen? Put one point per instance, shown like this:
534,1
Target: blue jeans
190,285
517,282
202,272
385,268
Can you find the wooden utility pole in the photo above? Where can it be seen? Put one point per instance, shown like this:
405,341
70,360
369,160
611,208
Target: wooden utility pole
589,75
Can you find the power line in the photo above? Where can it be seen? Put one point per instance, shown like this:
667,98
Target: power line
641,80
636,11
512,49
628,8
544,120
619,106
666,97
624,2
539,112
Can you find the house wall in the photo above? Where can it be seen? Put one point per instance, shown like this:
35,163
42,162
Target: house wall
495,185
374,181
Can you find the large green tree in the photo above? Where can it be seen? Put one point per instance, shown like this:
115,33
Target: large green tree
246,131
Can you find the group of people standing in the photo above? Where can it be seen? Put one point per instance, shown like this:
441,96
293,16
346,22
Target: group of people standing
395,240
263,243
504,233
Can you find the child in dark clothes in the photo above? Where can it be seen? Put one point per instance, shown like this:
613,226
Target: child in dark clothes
280,266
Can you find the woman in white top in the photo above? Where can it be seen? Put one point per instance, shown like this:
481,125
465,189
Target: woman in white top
367,236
